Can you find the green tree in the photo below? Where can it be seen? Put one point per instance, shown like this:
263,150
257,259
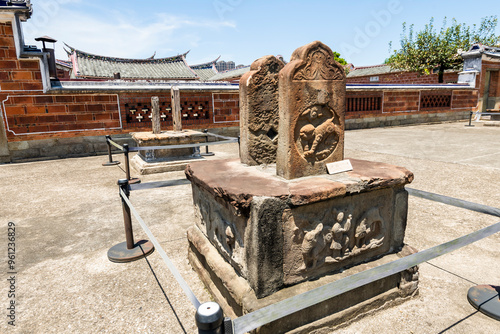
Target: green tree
341,61
338,59
429,49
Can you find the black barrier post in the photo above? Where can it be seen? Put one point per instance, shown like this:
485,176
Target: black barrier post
127,166
110,162
470,119
129,250
127,218
206,154
210,320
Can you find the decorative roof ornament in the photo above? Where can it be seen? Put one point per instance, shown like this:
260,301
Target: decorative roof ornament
150,60
153,56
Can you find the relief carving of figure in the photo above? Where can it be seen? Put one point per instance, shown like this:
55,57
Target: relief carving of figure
327,244
312,245
370,230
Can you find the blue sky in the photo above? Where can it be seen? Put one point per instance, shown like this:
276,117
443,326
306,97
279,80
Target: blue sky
239,30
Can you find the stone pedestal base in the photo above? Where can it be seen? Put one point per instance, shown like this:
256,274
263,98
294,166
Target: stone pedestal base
171,165
166,160
236,297
259,238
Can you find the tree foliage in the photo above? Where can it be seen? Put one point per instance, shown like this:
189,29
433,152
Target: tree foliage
430,49
336,55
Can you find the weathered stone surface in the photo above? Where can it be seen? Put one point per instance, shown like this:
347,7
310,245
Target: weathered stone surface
176,108
311,107
144,139
259,111
238,184
329,235
155,113
276,232
237,297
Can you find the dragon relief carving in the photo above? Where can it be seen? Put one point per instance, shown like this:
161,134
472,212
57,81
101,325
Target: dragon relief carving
319,65
332,242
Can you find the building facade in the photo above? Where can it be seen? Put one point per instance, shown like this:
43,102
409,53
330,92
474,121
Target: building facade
46,113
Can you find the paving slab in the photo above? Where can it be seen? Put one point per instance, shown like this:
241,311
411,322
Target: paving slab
68,214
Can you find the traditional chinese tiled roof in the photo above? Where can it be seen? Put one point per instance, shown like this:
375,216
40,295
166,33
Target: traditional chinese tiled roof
363,71
64,63
479,48
87,65
206,70
231,74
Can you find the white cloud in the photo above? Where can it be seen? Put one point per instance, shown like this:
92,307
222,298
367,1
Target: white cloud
119,33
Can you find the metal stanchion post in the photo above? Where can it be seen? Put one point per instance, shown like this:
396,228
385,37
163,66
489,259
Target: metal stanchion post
110,162
129,250
210,320
127,166
206,154
485,299
470,119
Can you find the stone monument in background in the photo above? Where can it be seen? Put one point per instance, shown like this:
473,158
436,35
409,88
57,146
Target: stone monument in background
267,232
165,160
259,113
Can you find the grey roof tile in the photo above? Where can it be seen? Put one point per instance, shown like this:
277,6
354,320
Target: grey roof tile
95,66
238,72
206,70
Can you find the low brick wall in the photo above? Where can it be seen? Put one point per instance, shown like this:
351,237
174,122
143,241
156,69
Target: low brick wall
409,119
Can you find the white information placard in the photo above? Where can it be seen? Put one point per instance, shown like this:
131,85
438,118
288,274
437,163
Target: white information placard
339,166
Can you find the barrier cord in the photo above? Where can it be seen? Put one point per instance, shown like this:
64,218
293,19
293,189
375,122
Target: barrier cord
297,303
115,145
187,290
489,210
225,140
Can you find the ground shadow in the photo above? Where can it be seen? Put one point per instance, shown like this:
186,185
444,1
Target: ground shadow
456,323
165,294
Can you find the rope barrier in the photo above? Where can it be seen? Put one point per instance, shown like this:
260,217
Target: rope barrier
115,144
149,148
297,303
489,210
159,184
189,293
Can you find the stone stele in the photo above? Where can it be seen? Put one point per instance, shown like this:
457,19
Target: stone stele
311,107
259,111
266,232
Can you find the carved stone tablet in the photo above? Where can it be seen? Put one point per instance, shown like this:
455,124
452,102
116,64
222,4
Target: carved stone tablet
312,106
259,111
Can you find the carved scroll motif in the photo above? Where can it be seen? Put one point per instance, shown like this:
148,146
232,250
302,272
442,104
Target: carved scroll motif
318,66
338,240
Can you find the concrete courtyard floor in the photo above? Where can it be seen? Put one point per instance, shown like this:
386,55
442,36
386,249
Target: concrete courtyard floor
67,214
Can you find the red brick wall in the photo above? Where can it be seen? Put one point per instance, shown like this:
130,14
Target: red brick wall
404,102
226,107
196,110
28,114
16,75
494,84
406,78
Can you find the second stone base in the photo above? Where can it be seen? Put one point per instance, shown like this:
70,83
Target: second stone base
236,297
171,165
